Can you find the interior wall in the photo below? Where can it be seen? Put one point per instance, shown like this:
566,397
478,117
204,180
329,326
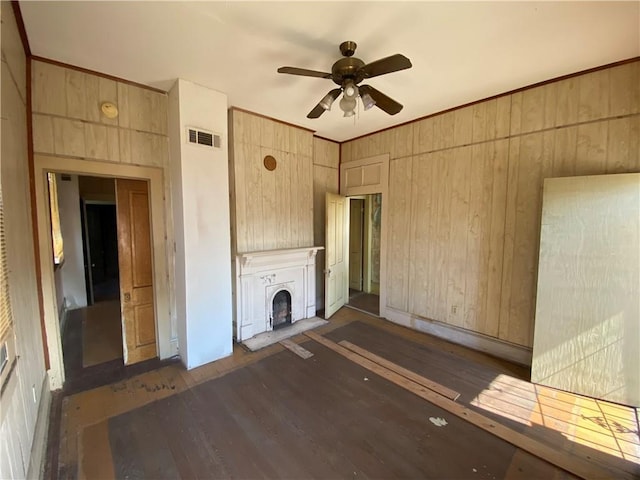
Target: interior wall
22,395
326,160
68,124
72,270
270,209
465,194
203,246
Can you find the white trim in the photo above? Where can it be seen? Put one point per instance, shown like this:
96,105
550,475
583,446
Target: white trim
477,341
162,292
383,188
38,457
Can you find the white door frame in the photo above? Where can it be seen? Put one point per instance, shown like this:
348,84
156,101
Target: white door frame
369,176
167,347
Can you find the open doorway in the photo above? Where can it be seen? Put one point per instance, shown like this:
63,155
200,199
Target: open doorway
100,229
365,214
87,277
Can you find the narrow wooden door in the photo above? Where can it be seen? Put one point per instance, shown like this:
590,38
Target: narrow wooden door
356,230
336,274
136,271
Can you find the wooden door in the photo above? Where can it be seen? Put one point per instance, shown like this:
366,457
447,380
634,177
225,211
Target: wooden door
136,271
336,274
356,230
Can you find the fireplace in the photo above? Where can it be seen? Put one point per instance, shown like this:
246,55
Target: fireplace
281,310
274,289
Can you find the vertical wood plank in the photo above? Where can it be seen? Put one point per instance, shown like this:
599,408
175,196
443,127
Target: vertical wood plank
268,203
594,96
568,94
419,237
423,136
68,137
463,126
444,165
443,130
42,134
399,208
123,105
566,142
75,93
49,92
476,252
498,156
401,139
458,231
591,152
253,190
96,143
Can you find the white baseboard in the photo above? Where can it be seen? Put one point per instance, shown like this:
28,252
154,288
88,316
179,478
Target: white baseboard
477,341
38,456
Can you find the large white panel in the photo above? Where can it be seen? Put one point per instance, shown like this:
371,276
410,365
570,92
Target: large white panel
587,326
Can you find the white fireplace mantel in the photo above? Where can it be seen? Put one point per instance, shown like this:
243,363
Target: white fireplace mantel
261,275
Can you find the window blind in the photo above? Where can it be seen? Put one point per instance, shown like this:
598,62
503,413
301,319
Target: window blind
6,319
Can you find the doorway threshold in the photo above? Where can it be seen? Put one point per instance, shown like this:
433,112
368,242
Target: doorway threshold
352,307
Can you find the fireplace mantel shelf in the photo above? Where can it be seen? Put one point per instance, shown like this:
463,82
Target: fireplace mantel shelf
247,258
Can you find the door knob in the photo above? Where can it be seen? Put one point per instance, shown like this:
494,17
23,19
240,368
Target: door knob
127,297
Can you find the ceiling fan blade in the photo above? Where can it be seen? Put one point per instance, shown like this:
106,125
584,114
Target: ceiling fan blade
383,102
304,72
386,65
319,109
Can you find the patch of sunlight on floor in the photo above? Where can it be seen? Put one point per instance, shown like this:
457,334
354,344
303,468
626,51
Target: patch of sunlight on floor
604,426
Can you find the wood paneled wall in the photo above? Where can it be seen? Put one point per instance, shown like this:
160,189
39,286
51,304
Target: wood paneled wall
326,159
67,120
270,209
466,190
24,398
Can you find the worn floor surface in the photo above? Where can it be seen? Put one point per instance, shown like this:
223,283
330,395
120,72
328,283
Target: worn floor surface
367,302
101,333
271,414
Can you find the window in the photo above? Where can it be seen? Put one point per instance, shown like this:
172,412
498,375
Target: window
56,233
6,318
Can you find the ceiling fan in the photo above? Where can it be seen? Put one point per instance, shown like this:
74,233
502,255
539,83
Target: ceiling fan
348,72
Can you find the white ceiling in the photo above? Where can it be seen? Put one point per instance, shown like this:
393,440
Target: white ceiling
461,51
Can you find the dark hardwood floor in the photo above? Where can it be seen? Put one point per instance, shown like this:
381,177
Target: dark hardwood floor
271,414
366,302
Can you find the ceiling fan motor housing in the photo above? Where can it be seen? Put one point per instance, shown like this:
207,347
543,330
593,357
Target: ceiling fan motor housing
347,68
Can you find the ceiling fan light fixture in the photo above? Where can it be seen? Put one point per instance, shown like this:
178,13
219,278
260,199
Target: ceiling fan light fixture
350,89
367,101
327,101
349,113
348,105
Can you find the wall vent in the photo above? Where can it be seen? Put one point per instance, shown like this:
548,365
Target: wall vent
204,138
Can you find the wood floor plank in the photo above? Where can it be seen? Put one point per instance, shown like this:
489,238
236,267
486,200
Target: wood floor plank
295,348
419,379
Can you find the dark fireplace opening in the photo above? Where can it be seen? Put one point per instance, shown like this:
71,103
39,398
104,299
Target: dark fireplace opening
281,311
